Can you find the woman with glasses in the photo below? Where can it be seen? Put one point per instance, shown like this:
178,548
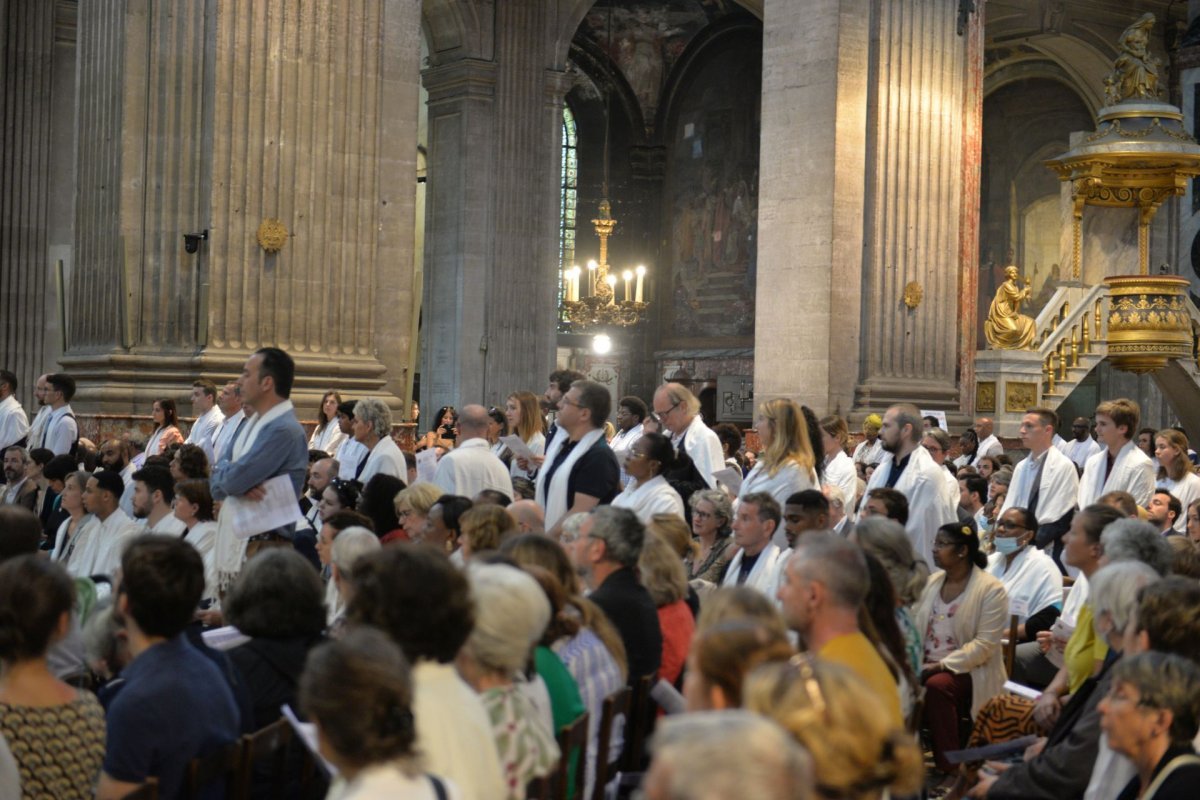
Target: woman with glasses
166,431
338,495
788,464
712,516
1030,576
857,753
413,505
524,416
650,494
327,436
962,615
1150,716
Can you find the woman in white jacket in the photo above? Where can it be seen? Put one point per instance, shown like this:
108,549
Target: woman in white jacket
839,467
787,465
650,494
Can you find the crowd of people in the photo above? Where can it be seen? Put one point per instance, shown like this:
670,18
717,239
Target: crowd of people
812,616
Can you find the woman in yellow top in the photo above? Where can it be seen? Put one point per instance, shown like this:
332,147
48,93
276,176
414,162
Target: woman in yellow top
787,465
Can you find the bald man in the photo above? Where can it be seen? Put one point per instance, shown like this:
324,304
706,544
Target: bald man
989,445
471,466
529,516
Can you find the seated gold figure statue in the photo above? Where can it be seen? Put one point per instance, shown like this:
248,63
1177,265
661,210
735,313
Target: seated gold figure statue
1006,327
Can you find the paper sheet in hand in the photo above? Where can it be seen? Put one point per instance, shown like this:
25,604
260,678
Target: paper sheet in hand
307,732
278,509
1060,632
518,447
730,478
225,638
426,465
1022,690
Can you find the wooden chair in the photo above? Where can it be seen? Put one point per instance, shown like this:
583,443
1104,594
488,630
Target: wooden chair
270,743
572,740
147,791
539,789
219,765
1010,646
615,705
640,724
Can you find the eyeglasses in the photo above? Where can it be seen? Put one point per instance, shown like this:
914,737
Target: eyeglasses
567,402
661,414
942,544
1005,525
702,515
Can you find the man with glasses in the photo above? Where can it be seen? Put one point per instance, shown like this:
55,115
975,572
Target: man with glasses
937,443
580,471
679,412
1046,483
631,411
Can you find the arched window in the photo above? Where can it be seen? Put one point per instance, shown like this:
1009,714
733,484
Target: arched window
567,200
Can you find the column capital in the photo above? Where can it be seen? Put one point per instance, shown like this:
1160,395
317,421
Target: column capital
466,78
558,83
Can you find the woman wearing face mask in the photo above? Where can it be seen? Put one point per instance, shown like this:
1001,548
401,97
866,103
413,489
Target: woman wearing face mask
1031,578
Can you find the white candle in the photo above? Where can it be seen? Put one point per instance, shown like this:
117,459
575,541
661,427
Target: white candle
591,277
628,276
641,274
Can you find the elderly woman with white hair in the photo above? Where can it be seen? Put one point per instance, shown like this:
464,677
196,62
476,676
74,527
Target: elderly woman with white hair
1135,540
372,428
349,546
511,614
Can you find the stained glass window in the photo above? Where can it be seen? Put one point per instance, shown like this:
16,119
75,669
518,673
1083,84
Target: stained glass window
567,200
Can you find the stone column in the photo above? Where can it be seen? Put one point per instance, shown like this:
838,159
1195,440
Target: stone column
860,196
216,115
491,240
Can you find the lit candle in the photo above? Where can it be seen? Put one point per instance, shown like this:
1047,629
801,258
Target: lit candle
628,276
641,274
572,274
592,277
611,280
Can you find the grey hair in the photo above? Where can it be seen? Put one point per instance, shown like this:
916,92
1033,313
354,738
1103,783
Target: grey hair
572,523
622,533
939,436
713,755
721,503
887,540
1114,590
24,453
1168,682
511,614
834,494
835,562
375,413
351,544
1135,540
677,393
1002,476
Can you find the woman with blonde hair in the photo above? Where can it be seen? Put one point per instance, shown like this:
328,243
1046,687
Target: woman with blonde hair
483,528
413,504
839,467
663,576
1175,473
858,753
327,436
721,657
787,465
524,414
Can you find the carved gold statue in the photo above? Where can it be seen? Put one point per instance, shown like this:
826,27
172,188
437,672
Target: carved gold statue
1135,71
1006,327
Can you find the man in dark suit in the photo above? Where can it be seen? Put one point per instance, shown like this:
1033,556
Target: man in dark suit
18,489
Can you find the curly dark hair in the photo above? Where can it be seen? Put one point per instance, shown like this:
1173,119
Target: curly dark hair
417,596
359,690
193,462
34,594
278,595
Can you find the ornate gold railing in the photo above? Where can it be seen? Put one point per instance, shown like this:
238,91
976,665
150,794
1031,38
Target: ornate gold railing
1072,327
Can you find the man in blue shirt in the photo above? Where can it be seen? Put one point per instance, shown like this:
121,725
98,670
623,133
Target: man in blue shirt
175,705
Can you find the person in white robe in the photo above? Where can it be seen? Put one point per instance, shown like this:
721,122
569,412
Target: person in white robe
678,411
194,512
1031,578
631,412
787,465
98,548
61,431
839,467
327,436
1131,471
989,445
1081,446
758,562
650,494
870,449
1045,483
1175,473
373,429
208,418
14,424
230,403
471,467
911,472
937,443
38,423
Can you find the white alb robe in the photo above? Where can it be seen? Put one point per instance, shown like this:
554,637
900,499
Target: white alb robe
928,508
764,575
1132,472
350,453
703,446
1033,581
1080,452
1058,491
840,472
790,478
203,537
14,425
327,439
655,496
988,447
100,554
867,453
204,431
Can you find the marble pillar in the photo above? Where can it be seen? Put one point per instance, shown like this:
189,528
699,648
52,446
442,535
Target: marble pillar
867,157
214,116
491,238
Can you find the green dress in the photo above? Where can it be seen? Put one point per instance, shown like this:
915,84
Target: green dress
566,704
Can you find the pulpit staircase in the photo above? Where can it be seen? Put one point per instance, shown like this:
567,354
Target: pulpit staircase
1072,335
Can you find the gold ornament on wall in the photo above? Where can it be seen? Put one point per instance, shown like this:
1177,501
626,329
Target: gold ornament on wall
913,294
272,235
985,396
1019,396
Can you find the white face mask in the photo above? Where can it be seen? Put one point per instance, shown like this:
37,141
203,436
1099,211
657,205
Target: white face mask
1007,545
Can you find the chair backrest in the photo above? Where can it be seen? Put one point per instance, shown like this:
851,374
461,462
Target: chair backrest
1010,646
270,743
641,722
572,743
615,705
219,765
538,789
147,791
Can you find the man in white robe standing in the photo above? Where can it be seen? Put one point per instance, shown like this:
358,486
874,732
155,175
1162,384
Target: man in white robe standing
989,445
1046,483
229,402
1082,446
911,472
208,418
679,411
14,424
937,443
1121,466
